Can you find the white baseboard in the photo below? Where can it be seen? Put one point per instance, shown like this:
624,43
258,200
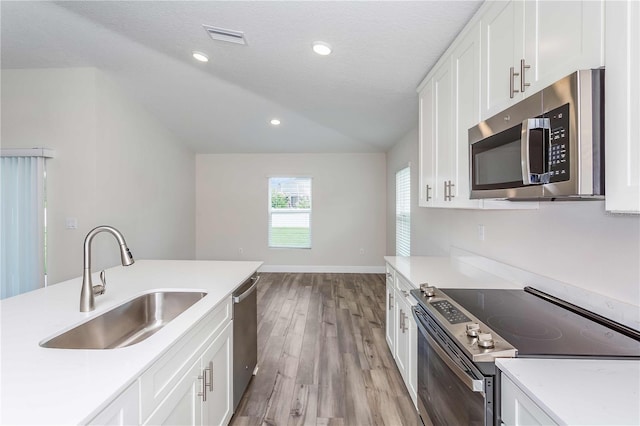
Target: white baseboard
324,269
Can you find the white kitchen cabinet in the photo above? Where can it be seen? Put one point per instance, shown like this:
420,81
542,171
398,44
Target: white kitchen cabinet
173,389
443,132
217,359
403,330
390,316
203,396
183,406
407,338
449,105
426,147
529,45
622,112
124,410
502,46
517,409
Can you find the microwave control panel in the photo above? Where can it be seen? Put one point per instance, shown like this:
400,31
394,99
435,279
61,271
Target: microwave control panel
558,146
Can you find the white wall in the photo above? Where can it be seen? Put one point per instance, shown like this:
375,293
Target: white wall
574,242
348,209
115,164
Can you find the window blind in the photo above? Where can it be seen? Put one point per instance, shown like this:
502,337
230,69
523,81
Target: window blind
403,212
290,212
22,216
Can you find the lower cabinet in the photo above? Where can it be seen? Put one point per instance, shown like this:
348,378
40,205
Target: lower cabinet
390,329
518,409
190,384
124,410
402,332
203,395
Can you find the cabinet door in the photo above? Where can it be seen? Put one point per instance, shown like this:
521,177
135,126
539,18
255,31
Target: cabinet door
443,131
503,45
560,38
518,409
216,364
465,61
183,406
391,322
124,410
402,338
426,147
622,112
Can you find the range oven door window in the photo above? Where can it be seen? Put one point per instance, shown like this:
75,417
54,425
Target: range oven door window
445,391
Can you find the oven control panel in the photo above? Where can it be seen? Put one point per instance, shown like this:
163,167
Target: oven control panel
450,312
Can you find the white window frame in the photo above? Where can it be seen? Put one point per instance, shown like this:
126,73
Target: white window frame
270,210
403,211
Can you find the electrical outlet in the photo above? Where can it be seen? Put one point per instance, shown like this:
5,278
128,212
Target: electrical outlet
481,232
71,223
241,250
361,251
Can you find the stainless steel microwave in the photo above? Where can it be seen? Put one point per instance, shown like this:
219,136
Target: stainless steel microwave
549,146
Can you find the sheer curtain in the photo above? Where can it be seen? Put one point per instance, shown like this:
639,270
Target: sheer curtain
22,220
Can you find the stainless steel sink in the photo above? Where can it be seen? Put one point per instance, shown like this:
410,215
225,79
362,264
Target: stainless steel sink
127,324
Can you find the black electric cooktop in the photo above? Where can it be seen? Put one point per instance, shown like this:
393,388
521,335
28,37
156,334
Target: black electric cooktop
539,328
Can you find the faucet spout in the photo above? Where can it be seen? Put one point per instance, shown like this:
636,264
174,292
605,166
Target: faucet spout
87,298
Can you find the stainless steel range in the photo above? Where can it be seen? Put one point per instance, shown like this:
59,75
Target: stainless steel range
462,331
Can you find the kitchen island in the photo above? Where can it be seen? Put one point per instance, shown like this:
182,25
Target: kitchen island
71,386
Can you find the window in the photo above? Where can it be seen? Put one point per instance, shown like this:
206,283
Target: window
403,212
22,224
290,212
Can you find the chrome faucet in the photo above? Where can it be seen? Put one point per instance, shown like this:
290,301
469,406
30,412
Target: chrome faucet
87,298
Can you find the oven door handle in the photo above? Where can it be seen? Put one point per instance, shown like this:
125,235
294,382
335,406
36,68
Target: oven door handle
471,383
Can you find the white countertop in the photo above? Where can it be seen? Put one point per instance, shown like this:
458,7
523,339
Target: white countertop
445,272
60,386
580,392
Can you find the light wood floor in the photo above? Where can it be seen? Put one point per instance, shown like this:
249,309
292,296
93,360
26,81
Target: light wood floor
322,355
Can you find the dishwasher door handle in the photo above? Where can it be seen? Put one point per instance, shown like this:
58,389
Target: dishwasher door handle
238,299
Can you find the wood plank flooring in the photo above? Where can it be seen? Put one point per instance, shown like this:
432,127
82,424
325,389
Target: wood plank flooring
322,355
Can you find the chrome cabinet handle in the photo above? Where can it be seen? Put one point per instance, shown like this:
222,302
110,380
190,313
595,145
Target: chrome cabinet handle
203,394
512,83
428,190
523,67
390,300
448,193
210,370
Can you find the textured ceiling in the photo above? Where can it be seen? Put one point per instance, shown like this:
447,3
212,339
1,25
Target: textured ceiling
361,98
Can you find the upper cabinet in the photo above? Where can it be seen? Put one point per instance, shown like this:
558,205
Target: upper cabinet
449,105
622,114
509,50
527,45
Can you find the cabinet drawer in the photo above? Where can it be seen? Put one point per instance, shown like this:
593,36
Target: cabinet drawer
158,381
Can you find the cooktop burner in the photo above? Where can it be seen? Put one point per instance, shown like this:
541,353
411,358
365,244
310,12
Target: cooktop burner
524,328
539,328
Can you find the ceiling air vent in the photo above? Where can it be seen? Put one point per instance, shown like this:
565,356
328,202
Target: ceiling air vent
222,34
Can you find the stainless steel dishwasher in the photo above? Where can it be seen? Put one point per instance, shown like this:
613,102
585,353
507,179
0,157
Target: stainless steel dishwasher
245,337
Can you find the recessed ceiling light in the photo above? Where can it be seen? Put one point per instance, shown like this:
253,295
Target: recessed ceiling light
200,56
275,122
321,48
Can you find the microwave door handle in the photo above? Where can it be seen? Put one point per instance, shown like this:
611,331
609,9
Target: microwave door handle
528,125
